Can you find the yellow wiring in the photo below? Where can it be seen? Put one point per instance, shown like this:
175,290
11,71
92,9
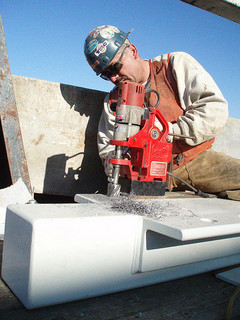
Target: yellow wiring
231,302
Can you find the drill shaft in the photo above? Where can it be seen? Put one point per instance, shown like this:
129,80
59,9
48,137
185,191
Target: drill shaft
113,185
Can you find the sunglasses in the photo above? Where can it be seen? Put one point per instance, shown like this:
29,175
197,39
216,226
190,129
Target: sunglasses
113,69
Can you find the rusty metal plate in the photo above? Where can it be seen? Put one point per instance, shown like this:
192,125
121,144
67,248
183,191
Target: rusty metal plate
9,119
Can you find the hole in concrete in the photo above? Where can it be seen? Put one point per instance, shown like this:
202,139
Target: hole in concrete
208,220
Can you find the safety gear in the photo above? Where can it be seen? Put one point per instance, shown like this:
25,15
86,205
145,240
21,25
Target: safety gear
162,80
113,69
101,46
204,114
211,172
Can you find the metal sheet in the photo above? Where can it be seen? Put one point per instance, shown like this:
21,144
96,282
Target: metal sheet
104,251
9,119
225,8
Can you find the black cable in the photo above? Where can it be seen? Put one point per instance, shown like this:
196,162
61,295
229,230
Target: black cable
197,191
158,97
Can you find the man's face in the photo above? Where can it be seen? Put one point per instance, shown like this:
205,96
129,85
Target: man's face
125,66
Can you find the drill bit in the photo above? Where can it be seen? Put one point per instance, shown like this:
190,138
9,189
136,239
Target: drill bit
113,185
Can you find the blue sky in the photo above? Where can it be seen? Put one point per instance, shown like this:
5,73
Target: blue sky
45,38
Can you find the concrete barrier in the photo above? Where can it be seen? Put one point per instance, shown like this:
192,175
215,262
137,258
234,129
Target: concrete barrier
59,127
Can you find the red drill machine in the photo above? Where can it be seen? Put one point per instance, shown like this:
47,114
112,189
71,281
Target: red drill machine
142,153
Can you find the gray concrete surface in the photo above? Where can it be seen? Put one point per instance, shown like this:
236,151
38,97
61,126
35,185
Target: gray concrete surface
59,125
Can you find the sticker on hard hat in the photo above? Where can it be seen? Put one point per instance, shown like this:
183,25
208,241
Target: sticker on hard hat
91,46
158,168
94,33
101,48
107,33
114,29
96,63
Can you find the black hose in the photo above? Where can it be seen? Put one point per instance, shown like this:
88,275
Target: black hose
197,191
158,97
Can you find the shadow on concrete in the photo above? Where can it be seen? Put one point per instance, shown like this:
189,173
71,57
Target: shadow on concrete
89,177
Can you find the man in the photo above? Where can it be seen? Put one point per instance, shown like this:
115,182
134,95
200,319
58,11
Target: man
190,101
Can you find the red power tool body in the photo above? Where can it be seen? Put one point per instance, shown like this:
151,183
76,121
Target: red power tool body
137,135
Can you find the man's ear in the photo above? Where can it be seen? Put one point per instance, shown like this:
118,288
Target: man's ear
133,50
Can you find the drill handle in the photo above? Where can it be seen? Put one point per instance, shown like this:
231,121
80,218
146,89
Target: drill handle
159,116
164,123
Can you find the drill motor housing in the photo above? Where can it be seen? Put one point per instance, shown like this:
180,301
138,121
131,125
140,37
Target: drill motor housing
142,152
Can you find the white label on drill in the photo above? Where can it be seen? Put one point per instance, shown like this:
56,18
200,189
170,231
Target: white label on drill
120,127
158,168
